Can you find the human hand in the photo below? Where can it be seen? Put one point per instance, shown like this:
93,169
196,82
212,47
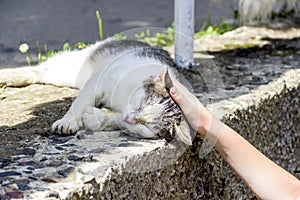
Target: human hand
196,114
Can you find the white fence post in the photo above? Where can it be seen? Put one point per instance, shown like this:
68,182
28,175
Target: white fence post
184,32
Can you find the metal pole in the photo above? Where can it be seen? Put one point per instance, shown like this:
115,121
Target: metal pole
184,32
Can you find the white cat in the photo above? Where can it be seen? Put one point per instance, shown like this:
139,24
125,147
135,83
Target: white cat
252,11
123,86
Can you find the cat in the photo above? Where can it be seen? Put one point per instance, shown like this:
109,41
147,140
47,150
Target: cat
123,85
260,10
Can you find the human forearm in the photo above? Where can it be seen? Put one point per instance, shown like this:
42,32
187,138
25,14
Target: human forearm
266,179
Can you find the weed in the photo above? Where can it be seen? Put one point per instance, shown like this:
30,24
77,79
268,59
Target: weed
80,45
158,39
67,46
24,48
48,54
208,28
99,24
120,36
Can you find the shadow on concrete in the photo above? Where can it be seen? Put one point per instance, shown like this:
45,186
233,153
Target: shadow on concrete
14,137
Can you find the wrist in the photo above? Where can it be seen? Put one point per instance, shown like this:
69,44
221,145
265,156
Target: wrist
211,131
205,120
211,128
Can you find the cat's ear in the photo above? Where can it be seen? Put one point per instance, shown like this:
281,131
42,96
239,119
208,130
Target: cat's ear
165,78
183,133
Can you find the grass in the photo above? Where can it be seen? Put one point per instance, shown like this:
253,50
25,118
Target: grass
209,28
99,19
164,39
159,39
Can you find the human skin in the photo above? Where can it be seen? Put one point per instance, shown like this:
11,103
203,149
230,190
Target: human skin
265,179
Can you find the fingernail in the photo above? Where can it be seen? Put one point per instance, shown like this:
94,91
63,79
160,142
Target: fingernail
173,91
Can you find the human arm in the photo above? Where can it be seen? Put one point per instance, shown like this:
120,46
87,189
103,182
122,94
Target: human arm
266,179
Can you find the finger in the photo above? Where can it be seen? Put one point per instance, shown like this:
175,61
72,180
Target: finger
176,95
179,86
181,99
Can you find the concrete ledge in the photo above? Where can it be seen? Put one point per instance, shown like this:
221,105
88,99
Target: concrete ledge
111,165
268,117
243,37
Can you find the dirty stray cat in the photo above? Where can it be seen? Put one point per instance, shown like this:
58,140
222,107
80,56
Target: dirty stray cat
124,85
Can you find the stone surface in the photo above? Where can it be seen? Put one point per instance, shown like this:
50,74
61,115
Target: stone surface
255,91
271,123
244,37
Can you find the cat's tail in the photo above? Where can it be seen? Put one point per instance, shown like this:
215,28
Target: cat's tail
22,76
71,69
63,69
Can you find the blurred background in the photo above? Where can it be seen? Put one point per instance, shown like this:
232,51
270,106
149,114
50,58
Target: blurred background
54,22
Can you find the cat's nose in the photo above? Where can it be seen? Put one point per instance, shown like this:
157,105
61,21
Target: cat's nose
129,119
152,77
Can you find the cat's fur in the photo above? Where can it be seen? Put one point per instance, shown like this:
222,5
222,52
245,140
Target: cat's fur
123,86
253,11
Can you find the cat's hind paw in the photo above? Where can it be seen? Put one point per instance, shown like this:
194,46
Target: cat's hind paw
65,126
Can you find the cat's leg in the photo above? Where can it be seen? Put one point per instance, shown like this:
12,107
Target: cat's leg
89,96
71,122
96,119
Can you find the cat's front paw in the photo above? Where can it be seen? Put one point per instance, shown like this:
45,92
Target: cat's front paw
66,126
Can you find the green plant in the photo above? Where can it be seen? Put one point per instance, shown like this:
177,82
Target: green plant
159,39
80,45
167,38
208,28
24,48
47,53
67,46
120,36
99,24
43,56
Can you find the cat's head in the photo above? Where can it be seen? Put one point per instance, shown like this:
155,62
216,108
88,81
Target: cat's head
158,115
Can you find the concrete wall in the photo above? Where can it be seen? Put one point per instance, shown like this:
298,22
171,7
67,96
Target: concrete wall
268,117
